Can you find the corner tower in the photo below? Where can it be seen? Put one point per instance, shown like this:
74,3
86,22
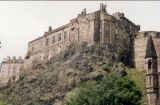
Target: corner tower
151,72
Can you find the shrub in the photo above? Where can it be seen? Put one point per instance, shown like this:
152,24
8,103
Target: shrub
113,90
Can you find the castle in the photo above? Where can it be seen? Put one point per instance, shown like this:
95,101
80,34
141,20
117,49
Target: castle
97,27
104,29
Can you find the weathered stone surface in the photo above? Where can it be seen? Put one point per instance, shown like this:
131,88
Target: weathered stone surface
140,43
10,70
97,27
48,84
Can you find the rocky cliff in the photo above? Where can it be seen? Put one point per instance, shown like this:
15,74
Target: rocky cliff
48,82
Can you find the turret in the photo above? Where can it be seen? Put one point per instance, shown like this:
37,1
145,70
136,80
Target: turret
151,72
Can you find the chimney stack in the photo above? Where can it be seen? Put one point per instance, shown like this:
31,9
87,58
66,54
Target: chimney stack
49,29
102,8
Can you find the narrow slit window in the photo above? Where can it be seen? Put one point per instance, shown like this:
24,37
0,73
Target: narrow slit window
65,34
150,80
53,39
149,64
59,37
47,42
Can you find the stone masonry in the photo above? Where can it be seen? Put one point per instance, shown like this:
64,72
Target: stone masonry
146,56
10,70
140,43
97,27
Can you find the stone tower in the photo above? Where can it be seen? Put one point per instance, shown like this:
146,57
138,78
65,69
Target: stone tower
151,73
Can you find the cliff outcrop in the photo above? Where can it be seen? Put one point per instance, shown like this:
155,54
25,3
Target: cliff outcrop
47,83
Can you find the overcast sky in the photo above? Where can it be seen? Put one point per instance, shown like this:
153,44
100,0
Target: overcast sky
23,21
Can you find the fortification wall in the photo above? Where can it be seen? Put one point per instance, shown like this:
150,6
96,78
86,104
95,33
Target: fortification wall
140,43
54,41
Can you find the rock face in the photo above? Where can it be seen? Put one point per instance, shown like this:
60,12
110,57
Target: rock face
47,83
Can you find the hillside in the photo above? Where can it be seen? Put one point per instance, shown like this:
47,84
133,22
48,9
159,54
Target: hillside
48,83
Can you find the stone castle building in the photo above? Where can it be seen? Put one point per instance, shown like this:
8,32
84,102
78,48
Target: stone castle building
102,28
97,27
10,70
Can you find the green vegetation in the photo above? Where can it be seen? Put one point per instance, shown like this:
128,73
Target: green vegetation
113,90
138,76
2,102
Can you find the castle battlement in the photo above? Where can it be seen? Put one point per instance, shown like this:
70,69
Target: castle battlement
12,59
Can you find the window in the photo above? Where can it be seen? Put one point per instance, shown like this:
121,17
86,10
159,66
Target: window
14,70
116,34
149,64
150,80
47,42
59,37
65,34
53,39
32,48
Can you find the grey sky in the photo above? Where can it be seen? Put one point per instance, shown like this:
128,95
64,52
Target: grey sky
23,21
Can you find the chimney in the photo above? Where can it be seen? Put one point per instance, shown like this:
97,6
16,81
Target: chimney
49,29
84,11
102,8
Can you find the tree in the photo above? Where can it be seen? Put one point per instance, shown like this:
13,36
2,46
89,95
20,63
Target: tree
113,90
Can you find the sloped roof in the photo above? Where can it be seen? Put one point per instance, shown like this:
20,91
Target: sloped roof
150,50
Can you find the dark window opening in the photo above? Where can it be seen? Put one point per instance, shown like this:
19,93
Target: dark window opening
149,64
59,37
150,81
65,34
47,42
32,48
53,39
116,36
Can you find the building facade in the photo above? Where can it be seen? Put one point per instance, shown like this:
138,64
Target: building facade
140,43
147,58
97,27
10,70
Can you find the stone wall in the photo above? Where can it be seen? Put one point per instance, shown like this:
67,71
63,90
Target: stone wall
10,70
97,27
140,42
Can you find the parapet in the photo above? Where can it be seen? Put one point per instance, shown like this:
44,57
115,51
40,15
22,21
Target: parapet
13,59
